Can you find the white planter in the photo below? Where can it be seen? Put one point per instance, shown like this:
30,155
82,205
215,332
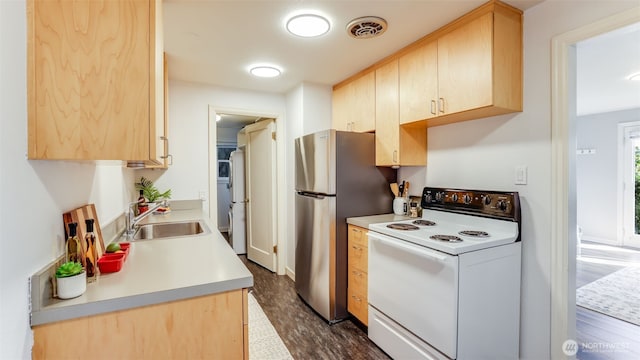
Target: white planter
72,286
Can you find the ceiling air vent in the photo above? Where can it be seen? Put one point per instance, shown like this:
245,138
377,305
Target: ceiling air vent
367,27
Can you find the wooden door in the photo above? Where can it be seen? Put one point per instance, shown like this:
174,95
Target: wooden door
418,83
387,115
465,69
261,193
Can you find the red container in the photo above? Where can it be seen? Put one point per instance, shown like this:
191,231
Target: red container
124,249
113,262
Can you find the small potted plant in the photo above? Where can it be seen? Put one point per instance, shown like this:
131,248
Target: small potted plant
71,280
150,192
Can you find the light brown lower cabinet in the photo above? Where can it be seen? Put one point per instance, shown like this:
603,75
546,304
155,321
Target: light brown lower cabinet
207,327
357,266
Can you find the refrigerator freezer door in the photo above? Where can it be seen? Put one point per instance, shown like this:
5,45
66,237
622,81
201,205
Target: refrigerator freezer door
315,162
316,281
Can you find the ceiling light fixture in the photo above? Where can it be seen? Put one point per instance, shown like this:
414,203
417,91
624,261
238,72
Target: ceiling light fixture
265,71
308,25
634,77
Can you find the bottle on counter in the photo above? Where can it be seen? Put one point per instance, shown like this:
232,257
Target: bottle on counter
73,248
91,256
142,204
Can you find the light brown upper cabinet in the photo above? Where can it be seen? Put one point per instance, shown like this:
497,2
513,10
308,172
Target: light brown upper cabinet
95,80
353,105
395,145
469,69
418,83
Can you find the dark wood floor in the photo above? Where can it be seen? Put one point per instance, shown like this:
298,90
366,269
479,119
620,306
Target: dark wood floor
307,335
596,329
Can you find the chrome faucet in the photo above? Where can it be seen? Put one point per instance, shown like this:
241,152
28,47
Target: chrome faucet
132,221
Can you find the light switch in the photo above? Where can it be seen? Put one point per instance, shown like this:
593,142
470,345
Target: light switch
521,175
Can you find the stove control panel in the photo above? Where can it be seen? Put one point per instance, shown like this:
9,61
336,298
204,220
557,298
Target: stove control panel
496,204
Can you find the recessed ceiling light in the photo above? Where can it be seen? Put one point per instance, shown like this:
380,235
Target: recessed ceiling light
634,77
308,25
265,71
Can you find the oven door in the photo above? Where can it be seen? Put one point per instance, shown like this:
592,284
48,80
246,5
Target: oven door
417,288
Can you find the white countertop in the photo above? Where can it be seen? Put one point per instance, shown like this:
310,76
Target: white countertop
158,271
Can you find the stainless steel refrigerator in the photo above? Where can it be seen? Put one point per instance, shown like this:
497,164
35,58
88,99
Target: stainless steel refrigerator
336,178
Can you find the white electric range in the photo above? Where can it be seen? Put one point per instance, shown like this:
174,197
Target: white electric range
447,285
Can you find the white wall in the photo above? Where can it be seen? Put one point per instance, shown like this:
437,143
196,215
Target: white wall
308,111
188,132
483,153
597,177
34,193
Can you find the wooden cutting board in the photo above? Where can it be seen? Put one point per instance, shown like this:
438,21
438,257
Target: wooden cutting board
79,215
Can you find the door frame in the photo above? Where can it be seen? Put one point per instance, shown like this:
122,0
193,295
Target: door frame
563,202
626,226
281,201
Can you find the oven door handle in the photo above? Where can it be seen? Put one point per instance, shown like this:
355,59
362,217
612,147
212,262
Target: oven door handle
399,244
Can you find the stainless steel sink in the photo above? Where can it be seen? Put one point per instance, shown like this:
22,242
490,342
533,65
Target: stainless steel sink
174,229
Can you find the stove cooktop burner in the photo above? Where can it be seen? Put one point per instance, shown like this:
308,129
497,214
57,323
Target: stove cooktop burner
474,233
424,222
447,238
399,226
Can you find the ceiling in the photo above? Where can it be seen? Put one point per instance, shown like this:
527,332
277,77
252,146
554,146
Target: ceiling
603,65
215,42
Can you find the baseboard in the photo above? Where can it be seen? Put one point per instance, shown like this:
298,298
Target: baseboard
601,240
290,273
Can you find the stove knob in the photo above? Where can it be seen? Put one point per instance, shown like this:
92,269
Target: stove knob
438,196
466,198
428,198
487,200
501,205
454,197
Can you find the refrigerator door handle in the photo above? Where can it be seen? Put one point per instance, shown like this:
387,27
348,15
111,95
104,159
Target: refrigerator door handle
310,194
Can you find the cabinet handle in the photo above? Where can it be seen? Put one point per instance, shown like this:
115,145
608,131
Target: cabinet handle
356,298
395,156
168,156
441,105
356,247
433,107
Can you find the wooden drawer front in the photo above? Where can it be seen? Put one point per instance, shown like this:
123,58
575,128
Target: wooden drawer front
357,305
358,281
357,248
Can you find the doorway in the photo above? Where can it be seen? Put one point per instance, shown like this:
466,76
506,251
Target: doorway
218,183
563,194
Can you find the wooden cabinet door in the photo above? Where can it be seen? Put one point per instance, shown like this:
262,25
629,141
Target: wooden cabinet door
418,83
340,111
354,105
357,266
465,69
92,87
387,115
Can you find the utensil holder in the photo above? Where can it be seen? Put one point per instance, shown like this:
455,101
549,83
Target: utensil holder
400,206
